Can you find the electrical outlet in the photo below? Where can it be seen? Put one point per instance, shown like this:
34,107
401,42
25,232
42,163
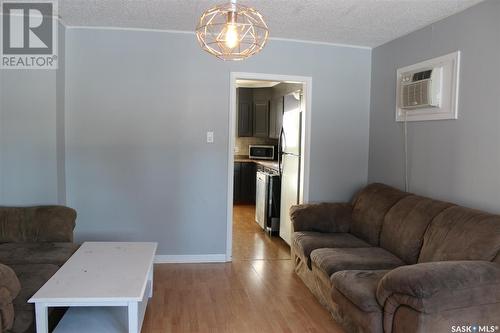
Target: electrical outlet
210,137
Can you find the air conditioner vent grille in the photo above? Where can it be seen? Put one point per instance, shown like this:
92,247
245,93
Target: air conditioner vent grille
416,94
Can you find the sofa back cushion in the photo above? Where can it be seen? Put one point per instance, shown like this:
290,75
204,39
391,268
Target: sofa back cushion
37,224
405,224
370,206
460,233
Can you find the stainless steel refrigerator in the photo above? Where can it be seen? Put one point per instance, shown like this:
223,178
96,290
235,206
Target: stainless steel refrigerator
290,155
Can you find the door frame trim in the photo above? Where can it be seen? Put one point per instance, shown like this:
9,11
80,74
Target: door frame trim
306,141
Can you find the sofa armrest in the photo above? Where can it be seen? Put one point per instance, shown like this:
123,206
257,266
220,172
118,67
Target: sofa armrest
323,217
9,289
9,282
37,224
439,286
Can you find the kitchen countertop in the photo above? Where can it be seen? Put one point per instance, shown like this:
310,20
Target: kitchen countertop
268,164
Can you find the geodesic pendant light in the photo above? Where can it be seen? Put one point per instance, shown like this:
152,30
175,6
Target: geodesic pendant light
231,31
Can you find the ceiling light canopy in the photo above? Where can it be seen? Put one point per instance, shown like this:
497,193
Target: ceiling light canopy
232,31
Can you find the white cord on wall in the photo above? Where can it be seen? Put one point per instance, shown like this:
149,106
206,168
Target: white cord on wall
405,131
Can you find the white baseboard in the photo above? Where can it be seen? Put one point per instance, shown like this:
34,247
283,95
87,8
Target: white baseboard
189,258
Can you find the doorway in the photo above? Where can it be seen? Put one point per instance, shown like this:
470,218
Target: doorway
254,167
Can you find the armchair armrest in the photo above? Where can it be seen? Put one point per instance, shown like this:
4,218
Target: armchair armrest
439,286
37,224
9,289
323,217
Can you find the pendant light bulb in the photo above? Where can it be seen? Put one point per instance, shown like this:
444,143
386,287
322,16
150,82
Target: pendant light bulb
231,38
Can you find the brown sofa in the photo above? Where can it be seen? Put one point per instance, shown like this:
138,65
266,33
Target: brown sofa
34,243
392,261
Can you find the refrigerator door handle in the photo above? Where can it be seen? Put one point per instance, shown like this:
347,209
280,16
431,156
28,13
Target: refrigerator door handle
280,151
283,140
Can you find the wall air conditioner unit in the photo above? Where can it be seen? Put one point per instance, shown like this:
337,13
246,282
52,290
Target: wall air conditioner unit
421,89
428,90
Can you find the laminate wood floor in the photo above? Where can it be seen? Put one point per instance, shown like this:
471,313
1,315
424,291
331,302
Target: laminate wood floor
250,241
257,292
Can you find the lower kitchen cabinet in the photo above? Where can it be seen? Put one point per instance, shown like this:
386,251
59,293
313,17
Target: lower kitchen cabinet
244,182
237,182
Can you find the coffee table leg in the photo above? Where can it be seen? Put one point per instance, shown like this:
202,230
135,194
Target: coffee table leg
133,317
41,314
150,278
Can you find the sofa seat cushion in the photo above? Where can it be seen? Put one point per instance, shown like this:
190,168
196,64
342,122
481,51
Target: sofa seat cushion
24,322
32,278
304,242
330,261
36,253
359,287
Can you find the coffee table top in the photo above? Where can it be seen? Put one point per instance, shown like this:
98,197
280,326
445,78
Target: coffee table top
101,272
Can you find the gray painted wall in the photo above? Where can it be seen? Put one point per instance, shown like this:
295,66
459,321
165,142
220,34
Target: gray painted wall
138,105
455,160
60,117
28,137
30,103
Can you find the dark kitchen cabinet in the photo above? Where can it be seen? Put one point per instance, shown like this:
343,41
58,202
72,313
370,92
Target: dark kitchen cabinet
244,182
275,117
236,182
253,112
248,182
245,112
261,119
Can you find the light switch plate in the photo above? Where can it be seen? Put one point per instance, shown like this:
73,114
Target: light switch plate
210,137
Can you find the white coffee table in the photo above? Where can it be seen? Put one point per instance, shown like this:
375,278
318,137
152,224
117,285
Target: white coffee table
95,282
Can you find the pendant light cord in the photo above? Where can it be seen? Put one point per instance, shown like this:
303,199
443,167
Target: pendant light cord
405,131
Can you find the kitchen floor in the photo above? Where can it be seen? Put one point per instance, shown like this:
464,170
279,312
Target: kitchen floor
250,242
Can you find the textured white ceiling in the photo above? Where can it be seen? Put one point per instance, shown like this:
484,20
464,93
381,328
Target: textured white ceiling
356,22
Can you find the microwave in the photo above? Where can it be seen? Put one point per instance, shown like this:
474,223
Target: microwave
262,152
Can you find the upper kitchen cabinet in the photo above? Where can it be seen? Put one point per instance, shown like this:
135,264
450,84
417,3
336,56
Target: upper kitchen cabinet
261,119
254,112
275,117
245,112
261,97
